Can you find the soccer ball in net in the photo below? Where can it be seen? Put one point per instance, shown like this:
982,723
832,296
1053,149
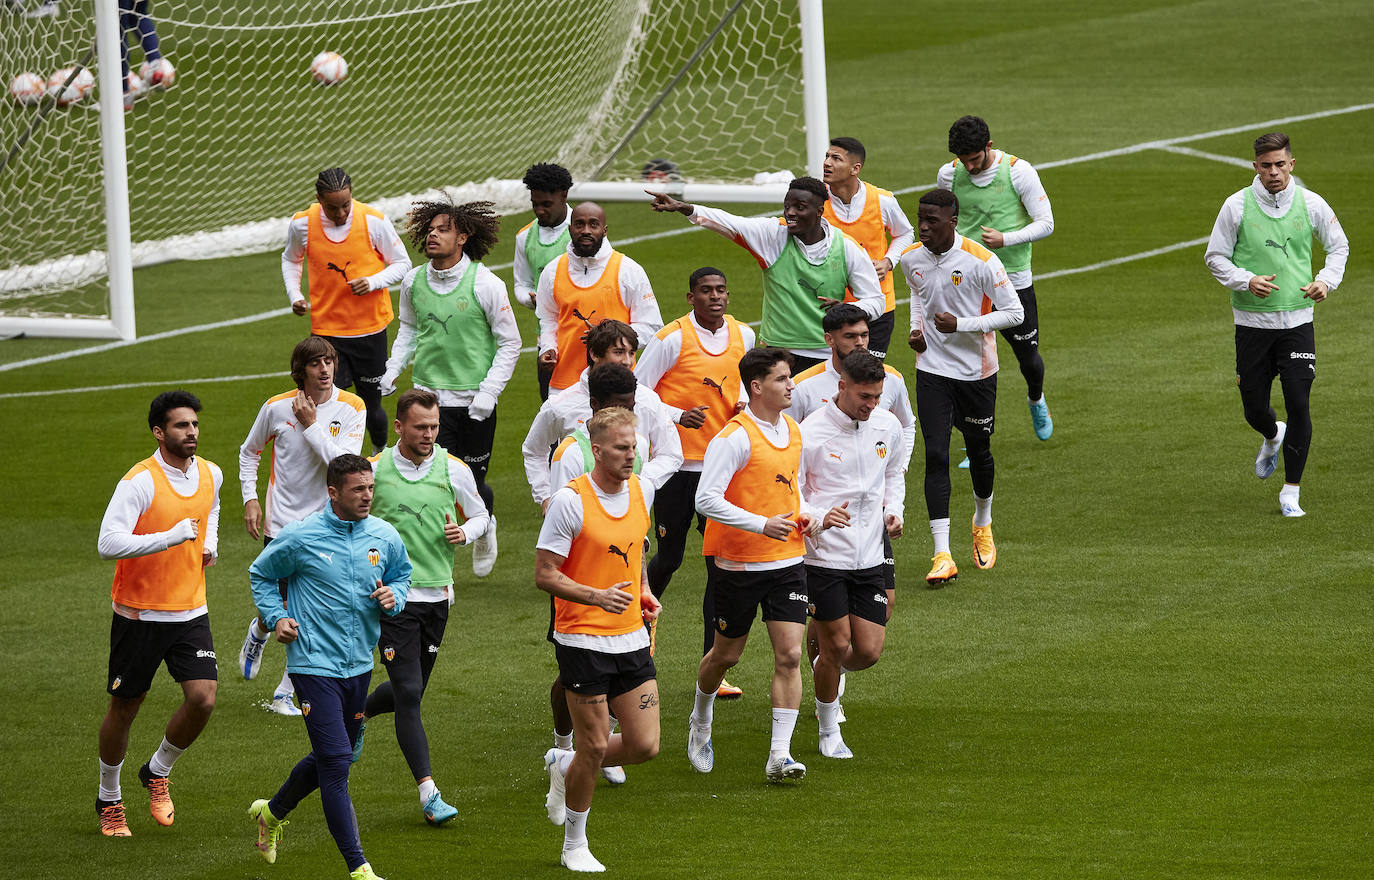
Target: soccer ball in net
159,74
77,90
27,88
329,68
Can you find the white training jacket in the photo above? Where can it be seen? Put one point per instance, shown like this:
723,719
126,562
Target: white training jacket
569,409
858,463
815,390
296,486
1025,180
967,281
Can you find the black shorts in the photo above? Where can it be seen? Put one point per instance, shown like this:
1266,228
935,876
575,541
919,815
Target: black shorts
1263,354
362,359
889,564
781,593
139,647
880,333
839,592
943,403
588,672
416,631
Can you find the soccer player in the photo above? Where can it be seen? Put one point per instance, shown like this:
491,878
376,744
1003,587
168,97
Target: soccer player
691,360
608,342
307,428
1003,205
872,217
751,493
952,280
456,322
1261,249
162,525
851,456
431,498
542,240
807,266
589,558
350,267
345,569
590,283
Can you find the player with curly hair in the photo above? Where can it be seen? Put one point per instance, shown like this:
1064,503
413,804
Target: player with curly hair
456,324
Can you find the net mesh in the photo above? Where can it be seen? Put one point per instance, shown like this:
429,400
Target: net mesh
459,93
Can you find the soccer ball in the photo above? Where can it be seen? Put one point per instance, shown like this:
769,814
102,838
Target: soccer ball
78,90
329,68
159,74
27,88
134,88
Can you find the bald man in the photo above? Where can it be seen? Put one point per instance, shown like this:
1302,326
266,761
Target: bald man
582,288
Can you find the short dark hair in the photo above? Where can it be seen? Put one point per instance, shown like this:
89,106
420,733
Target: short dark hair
1268,143
809,185
842,315
167,401
757,363
941,198
333,180
544,177
342,465
413,397
307,350
968,134
702,273
851,146
862,368
607,380
600,338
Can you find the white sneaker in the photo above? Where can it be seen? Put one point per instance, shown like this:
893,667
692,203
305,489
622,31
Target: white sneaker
283,704
783,767
613,775
1289,507
581,859
250,655
555,802
700,752
1268,459
484,556
832,746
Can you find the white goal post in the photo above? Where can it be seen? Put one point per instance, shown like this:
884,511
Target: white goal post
459,94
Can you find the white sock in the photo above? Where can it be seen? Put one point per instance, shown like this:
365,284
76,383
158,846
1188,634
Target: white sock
258,632
1271,444
575,828
827,713
109,781
562,740
160,764
784,722
427,790
939,530
1036,400
287,686
1289,493
704,708
982,511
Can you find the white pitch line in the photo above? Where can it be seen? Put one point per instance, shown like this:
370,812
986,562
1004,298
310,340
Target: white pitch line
1117,261
1215,157
1057,163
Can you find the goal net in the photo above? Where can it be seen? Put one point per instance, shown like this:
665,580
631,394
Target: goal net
457,93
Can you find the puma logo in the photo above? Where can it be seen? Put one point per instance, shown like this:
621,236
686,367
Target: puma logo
712,383
441,322
585,319
623,554
834,456
334,267
1269,242
814,288
405,508
784,480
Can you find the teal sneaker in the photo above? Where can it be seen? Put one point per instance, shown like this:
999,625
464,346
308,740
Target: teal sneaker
1040,419
437,812
269,829
358,743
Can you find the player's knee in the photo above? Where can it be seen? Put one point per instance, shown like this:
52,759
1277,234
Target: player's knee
863,656
642,748
787,659
202,700
408,691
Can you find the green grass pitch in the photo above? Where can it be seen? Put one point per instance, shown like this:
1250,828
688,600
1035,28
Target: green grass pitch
1161,678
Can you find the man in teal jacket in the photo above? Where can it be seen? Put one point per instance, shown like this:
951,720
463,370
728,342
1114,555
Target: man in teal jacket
344,569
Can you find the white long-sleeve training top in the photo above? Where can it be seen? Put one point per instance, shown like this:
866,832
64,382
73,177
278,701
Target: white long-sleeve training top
816,389
1025,180
967,281
635,292
858,463
895,221
525,281
491,296
380,233
1222,245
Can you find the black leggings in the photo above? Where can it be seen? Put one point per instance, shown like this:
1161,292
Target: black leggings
1290,354
407,677
674,507
1024,340
944,404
